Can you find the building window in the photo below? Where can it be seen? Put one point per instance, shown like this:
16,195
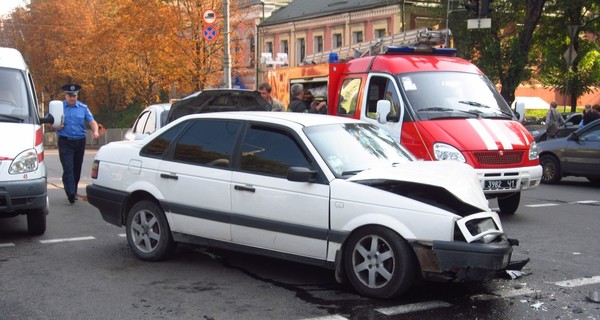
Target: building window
301,50
357,36
269,46
283,46
337,40
318,44
379,33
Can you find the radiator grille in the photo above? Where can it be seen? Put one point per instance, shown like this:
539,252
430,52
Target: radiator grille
499,157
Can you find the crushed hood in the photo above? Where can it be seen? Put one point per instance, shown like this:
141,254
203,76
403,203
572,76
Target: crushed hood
458,178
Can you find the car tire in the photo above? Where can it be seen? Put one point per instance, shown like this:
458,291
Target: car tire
379,263
510,203
551,172
36,222
148,232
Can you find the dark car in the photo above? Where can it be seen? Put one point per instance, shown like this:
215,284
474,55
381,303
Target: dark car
218,100
576,155
571,124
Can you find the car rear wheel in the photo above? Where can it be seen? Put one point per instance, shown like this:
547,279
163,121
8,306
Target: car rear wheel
509,204
36,222
551,173
148,232
379,263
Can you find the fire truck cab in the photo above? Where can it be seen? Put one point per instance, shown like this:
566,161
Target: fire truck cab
439,106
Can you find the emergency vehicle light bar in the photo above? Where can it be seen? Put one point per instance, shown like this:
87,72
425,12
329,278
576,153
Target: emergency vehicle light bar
409,50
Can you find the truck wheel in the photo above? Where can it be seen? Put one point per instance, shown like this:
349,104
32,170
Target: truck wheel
379,263
148,232
551,173
510,203
36,222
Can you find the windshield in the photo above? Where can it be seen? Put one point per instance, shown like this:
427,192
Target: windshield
13,95
349,148
435,95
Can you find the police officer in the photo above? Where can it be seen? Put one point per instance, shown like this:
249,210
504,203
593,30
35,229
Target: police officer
71,138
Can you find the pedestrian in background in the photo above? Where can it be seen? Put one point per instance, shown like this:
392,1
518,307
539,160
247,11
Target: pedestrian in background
265,91
591,115
71,138
298,104
586,109
553,121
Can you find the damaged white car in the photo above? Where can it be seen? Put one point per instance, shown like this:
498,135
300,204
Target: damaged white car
316,189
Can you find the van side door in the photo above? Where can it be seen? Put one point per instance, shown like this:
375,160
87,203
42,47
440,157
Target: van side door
383,87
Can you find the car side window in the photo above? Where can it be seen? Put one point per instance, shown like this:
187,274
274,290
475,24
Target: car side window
157,147
271,151
208,142
140,123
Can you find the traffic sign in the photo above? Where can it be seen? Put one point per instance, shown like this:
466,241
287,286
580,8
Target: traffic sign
209,33
209,16
570,55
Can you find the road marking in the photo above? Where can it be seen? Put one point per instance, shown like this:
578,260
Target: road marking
66,240
334,317
578,282
413,307
500,294
9,244
583,202
541,205
122,235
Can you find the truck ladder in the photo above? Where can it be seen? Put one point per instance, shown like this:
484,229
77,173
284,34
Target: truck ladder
417,37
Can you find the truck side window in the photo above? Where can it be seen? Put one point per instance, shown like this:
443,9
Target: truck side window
348,96
382,88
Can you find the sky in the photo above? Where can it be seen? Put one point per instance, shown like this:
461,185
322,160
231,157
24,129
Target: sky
6,6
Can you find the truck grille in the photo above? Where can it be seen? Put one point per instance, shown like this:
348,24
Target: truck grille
499,157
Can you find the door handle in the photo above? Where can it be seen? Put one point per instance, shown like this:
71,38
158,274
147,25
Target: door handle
169,176
243,188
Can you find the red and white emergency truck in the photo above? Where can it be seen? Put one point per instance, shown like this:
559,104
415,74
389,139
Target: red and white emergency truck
439,106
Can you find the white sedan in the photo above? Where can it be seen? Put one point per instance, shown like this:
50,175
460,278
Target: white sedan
317,189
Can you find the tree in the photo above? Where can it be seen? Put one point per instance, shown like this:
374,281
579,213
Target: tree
583,75
503,51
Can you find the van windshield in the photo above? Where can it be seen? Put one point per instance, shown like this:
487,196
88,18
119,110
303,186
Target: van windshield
435,95
13,95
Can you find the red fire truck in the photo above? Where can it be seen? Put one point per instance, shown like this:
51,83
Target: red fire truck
439,106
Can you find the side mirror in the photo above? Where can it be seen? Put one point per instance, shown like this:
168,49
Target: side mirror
520,111
55,115
300,174
383,109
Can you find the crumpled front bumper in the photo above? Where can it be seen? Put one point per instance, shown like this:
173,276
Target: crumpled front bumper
462,261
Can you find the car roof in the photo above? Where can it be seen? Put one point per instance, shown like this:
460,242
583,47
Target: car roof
161,106
282,117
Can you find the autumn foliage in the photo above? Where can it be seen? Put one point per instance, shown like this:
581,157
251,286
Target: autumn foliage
125,53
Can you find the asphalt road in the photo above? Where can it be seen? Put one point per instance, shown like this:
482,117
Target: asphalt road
82,268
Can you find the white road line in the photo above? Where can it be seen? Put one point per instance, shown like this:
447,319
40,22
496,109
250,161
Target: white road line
122,235
414,307
9,244
500,294
578,282
541,205
334,317
66,240
583,202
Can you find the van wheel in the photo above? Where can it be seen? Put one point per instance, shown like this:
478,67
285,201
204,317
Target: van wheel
509,204
36,222
148,232
379,263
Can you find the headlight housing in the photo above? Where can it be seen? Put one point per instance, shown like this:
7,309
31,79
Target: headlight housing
481,226
442,151
533,151
26,161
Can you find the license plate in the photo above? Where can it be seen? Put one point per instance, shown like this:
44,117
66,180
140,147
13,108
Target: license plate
500,184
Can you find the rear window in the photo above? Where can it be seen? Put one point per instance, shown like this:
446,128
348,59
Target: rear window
218,101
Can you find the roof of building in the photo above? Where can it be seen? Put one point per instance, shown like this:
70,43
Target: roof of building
308,9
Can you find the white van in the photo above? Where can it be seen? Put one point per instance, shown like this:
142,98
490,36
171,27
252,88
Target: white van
23,188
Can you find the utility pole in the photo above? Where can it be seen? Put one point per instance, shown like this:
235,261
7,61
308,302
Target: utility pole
227,55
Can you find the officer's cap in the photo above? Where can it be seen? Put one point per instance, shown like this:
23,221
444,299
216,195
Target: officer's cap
72,89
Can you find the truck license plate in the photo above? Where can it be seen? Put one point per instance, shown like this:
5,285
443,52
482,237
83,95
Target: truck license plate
500,184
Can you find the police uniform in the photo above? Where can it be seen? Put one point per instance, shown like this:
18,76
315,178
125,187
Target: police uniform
71,140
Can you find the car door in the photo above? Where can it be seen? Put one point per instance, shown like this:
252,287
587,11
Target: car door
195,179
269,211
582,155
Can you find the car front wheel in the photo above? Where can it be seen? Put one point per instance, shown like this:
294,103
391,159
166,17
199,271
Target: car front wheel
551,173
509,204
36,222
148,232
379,263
